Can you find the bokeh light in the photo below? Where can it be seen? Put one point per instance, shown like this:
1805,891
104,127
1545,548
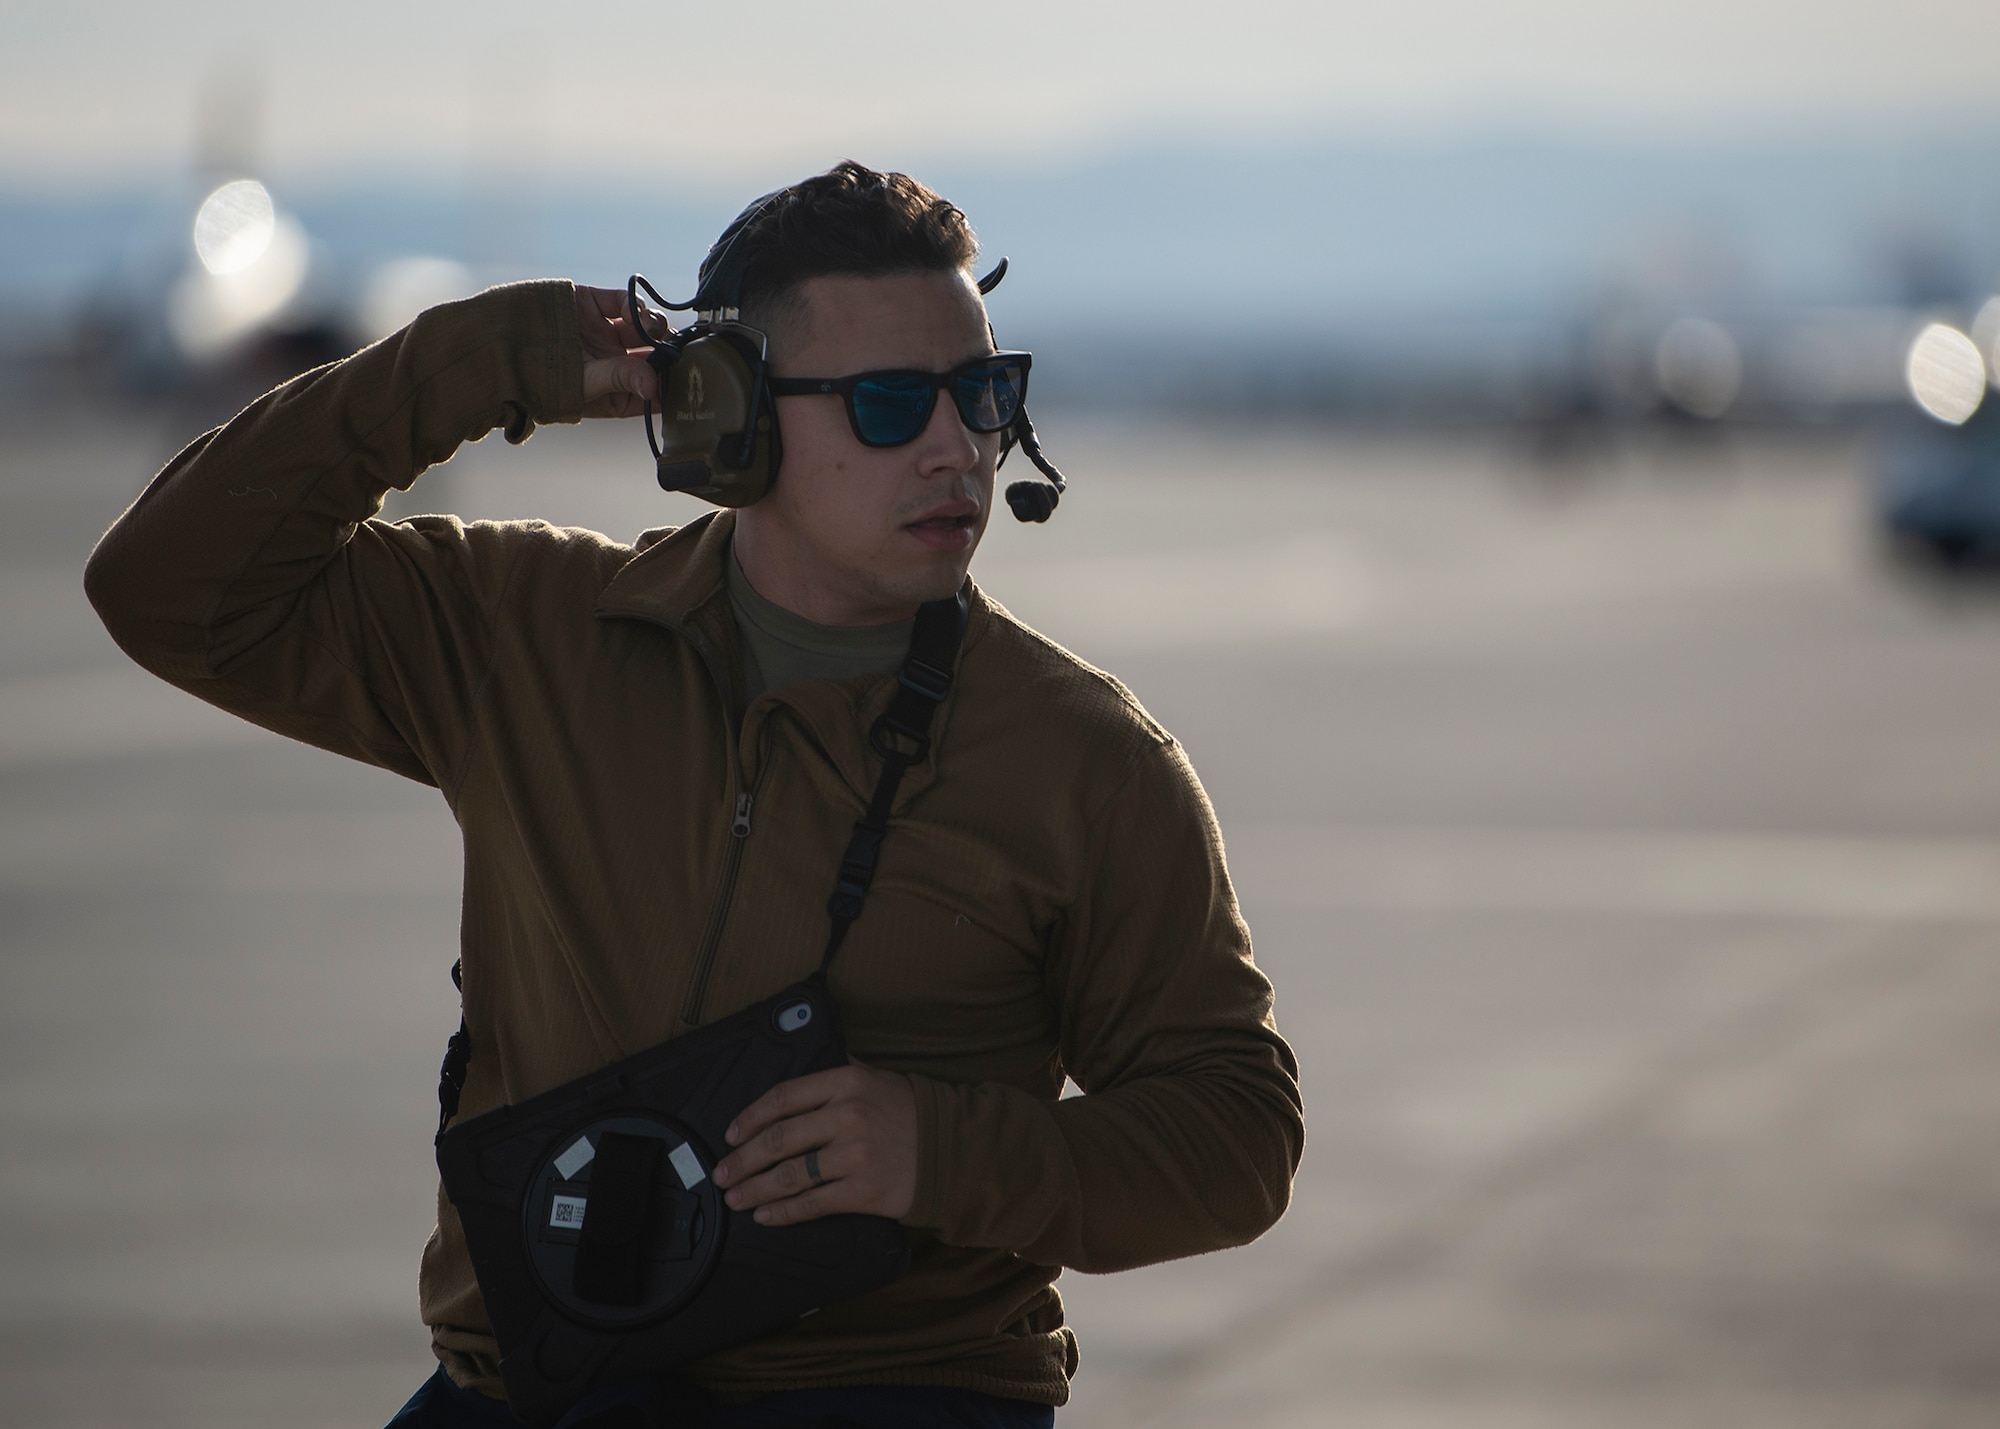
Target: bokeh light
1986,337
1946,373
234,227
210,311
1698,367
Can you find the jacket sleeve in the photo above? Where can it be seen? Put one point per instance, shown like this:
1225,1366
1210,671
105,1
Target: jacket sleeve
251,573
1191,1126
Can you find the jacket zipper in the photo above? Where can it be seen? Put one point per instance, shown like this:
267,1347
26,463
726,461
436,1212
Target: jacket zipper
739,826
732,860
711,937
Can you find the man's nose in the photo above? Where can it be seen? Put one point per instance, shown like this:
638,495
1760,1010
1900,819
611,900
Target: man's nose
946,443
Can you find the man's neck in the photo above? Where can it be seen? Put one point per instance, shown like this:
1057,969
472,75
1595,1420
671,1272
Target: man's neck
791,579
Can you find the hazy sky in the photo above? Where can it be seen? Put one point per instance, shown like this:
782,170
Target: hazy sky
90,89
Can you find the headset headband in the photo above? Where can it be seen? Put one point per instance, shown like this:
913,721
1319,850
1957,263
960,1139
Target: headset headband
719,281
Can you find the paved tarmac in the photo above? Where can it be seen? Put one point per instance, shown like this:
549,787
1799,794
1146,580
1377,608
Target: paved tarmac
1625,846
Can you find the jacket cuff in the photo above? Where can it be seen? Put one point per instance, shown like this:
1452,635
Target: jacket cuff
540,317
566,389
933,1146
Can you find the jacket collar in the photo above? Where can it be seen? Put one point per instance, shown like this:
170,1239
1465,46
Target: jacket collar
674,574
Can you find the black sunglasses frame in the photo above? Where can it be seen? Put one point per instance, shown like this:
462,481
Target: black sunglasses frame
843,387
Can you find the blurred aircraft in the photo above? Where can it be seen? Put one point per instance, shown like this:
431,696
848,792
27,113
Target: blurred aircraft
239,293
221,289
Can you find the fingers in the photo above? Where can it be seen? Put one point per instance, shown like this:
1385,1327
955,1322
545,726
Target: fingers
800,1094
611,305
784,1142
606,303
859,1123
645,325
605,326
767,1159
629,336
785,1193
617,379
617,386
595,314
809,1205
765,1177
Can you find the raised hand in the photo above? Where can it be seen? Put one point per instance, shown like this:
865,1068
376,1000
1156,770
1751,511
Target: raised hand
616,380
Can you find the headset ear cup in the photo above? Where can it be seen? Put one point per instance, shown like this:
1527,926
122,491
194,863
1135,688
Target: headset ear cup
755,452
719,437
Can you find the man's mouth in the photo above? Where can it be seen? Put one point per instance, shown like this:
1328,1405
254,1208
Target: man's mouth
949,528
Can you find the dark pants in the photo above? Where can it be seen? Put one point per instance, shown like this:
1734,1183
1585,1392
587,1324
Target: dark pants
440,1404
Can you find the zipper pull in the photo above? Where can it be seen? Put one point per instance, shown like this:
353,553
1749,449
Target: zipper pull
741,828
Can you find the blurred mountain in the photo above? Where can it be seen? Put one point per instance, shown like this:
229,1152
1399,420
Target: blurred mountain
1296,236
1286,234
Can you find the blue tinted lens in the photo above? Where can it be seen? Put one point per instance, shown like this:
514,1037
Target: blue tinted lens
892,409
988,396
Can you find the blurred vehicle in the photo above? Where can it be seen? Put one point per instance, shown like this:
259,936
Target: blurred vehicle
1938,489
1937,492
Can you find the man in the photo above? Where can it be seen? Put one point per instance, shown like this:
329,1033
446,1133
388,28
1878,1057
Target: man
655,754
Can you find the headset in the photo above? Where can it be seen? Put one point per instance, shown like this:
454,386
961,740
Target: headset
718,436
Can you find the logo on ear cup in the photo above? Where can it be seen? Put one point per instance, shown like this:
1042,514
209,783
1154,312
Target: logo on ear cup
697,393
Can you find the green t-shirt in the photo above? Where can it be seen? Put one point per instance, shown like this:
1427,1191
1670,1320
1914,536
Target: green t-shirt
780,647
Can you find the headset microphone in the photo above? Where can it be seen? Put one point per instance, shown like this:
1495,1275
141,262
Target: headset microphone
1032,500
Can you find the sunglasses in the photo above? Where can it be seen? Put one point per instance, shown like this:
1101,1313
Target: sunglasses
889,409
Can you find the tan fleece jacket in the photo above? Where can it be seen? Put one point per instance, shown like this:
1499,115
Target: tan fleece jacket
1051,899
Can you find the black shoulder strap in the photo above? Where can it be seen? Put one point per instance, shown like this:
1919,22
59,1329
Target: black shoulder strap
902,736
457,1057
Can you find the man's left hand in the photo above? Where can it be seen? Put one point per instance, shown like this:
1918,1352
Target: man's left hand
856,1126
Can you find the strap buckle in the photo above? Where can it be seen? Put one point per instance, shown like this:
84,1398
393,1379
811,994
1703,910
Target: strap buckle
887,725
920,677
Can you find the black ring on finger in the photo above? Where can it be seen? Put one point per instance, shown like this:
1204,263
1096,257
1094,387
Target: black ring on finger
812,1168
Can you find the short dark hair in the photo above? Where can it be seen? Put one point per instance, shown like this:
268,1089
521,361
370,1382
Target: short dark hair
851,220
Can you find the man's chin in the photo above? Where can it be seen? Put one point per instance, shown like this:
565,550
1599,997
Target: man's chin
933,579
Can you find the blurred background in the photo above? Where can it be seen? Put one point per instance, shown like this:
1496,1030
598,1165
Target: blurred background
1541,458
